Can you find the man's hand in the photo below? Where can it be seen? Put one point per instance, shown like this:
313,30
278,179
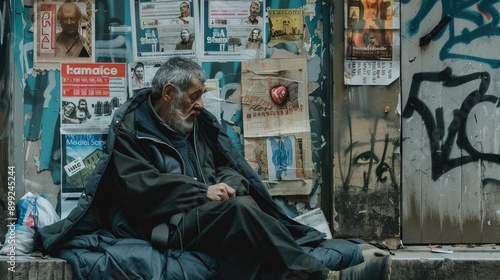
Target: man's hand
220,192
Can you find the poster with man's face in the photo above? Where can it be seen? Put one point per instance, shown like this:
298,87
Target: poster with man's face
63,33
228,29
164,28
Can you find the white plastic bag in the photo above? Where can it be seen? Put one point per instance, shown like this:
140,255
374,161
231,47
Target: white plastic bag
33,212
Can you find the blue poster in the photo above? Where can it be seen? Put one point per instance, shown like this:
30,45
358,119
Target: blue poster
79,158
164,28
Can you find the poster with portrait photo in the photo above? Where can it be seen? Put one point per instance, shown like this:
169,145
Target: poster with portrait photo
164,28
371,40
369,26
141,73
233,30
63,33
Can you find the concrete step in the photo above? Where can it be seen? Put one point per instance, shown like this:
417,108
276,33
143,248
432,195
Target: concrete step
454,262
411,263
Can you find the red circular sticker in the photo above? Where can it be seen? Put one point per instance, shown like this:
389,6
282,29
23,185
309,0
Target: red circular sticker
279,94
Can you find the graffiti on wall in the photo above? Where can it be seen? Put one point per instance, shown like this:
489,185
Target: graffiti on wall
450,121
471,23
439,145
367,159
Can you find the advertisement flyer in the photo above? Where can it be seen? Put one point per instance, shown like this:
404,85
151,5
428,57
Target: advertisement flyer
274,97
164,28
371,42
80,153
90,92
233,29
63,32
286,25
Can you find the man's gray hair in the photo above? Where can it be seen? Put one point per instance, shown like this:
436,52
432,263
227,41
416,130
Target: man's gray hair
257,2
178,71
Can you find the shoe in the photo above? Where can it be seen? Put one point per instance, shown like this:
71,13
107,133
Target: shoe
333,275
371,252
376,269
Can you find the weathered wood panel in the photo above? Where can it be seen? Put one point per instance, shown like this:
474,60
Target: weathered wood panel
450,123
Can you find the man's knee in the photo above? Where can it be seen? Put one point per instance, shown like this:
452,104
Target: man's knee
243,203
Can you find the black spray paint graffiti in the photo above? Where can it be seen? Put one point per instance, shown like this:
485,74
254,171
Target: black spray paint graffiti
482,14
368,157
440,147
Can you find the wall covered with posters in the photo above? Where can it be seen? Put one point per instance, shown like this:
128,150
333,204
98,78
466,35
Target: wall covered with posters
265,62
421,111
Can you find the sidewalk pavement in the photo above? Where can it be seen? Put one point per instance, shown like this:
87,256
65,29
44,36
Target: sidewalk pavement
461,262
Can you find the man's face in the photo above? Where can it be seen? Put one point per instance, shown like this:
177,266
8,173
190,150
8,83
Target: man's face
184,9
254,9
69,109
372,40
184,110
69,20
185,35
255,34
82,105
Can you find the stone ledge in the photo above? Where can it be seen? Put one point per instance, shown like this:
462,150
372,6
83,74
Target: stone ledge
413,263
31,268
419,263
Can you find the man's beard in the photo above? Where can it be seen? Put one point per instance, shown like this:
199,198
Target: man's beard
178,121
